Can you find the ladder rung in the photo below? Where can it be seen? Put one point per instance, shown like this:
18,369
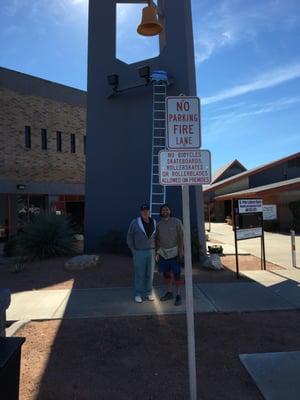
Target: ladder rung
157,194
159,102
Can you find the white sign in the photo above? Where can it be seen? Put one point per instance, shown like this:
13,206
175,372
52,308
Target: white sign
183,122
248,233
250,206
177,168
269,212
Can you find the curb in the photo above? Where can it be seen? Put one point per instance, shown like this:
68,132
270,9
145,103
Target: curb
16,326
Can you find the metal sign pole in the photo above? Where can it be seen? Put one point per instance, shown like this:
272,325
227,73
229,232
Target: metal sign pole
236,255
293,244
189,292
233,212
263,248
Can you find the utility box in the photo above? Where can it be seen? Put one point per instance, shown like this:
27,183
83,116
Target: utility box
10,357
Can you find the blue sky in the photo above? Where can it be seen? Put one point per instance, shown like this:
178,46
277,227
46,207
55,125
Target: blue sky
247,61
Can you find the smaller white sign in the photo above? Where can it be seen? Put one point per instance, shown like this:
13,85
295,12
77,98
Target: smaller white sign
250,206
183,122
269,212
177,168
248,233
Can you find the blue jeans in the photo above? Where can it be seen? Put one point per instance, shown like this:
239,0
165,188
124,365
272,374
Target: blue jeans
143,262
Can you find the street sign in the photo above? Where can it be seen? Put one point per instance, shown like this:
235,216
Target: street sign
248,224
183,122
248,233
178,168
182,165
269,212
250,206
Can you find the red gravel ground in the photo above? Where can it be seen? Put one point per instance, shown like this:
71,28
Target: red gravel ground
113,270
137,358
128,358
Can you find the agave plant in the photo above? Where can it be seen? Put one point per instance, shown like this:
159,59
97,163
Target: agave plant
47,235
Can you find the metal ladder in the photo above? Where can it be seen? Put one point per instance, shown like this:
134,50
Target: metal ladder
158,192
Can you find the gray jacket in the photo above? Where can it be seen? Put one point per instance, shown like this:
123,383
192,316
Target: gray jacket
137,238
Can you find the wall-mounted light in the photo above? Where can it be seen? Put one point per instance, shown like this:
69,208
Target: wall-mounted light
149,25
21,187
144,72
113,81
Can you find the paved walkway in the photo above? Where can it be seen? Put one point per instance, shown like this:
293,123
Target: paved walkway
278,246
277,290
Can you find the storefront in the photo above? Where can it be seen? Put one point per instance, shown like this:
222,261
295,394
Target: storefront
18,209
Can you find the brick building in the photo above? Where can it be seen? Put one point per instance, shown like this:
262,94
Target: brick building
42,147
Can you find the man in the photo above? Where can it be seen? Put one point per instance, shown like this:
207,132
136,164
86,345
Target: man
141,241
169,242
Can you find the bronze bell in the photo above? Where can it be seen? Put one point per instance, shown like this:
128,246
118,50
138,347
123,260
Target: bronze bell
149,25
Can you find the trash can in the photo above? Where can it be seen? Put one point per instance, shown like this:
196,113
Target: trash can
10,357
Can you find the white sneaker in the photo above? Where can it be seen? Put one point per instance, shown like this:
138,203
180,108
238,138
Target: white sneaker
150,297
138,299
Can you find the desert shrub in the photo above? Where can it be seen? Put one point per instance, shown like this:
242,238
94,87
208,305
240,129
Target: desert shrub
47,235
114,242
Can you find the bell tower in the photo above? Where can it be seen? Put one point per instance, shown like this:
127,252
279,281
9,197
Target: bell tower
119,127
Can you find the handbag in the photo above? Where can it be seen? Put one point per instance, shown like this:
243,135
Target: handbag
172,252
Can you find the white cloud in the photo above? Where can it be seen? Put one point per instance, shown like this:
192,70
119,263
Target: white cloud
11,7
264,81
215,126
232,21
257,109
12,30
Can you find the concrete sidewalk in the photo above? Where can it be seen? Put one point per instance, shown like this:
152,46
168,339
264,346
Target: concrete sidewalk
278,290
278,246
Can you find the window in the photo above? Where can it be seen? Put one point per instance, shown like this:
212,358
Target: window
84,144
73,143
58,141
44,139
28,137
